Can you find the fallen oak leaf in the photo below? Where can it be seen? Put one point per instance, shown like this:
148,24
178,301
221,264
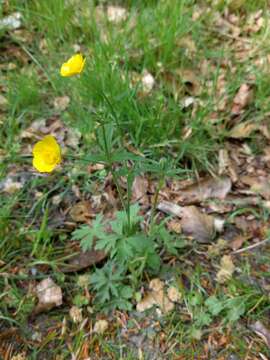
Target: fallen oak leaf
206,189
197,224
83,260
156,297
202,227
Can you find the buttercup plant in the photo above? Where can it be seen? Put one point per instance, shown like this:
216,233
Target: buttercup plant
130,250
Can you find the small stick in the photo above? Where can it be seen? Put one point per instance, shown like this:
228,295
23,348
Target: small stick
250,247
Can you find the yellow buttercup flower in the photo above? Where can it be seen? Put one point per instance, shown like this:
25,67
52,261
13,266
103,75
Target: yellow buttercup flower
47,154
73,66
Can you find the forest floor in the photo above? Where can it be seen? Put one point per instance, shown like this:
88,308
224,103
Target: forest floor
151,239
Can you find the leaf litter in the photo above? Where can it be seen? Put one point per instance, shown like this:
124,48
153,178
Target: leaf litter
236,188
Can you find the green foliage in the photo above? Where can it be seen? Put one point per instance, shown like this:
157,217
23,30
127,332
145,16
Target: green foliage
80,300
172,243
87,234
111,292
230,308
129,250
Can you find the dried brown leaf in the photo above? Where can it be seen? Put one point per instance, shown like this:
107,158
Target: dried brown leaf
191,81
259,185
170,208
156,297
76,314
139,189
146,303
81,212
101,326
226,269
223,161
262,331
61,103
49,295
174,226
83,260
243,130
243,97
197,224
174,294
20,356
116,14
10,185
156,284
181,81
238,241
162,301
206,189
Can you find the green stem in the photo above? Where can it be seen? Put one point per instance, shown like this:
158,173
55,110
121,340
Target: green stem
115,117
154,207
110,165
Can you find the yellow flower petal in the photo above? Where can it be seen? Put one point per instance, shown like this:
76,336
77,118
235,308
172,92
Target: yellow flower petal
47,154
40,165
73,66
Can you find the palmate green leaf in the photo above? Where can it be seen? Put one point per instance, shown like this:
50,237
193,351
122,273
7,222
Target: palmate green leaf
108,243
126,292
203,318
124,249
215,306
119,224
86,234
108,284
235,307
171,243
144,246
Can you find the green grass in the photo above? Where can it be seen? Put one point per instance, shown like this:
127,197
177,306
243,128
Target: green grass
162,38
